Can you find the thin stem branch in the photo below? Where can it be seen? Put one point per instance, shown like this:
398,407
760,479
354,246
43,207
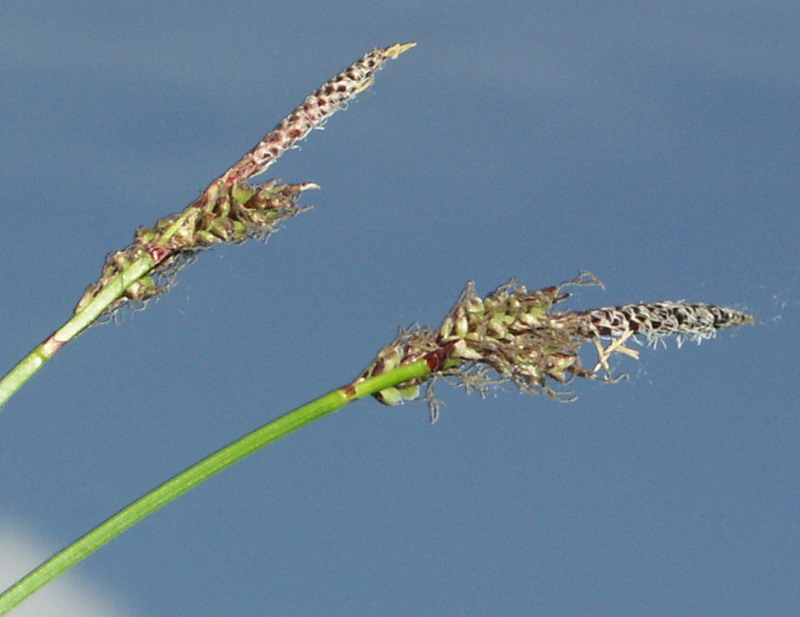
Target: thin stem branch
39,356
202,471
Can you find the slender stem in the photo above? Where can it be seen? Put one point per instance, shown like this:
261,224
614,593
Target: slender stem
37,358
198,473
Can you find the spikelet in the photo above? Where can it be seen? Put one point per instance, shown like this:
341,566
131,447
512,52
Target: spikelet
696,322
312,112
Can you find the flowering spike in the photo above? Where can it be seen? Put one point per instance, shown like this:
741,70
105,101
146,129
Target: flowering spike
230,210
313,112
518,335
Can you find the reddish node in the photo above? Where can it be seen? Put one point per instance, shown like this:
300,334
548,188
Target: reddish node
159,253
349,390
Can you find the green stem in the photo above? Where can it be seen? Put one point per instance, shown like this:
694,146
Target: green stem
198,473
37,358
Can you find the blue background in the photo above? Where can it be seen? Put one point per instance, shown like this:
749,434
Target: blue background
654,144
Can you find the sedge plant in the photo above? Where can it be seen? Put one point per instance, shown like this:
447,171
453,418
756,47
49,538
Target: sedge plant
511,334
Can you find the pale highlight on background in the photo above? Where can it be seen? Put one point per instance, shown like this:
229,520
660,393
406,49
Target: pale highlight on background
21,550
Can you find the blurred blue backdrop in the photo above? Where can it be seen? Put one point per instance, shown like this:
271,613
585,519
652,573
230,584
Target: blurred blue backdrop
654,144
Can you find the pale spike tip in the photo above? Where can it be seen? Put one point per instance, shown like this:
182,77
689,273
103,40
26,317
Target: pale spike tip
397,49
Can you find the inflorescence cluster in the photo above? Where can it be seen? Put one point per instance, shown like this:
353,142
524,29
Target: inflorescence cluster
230,210
512,332
518,335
